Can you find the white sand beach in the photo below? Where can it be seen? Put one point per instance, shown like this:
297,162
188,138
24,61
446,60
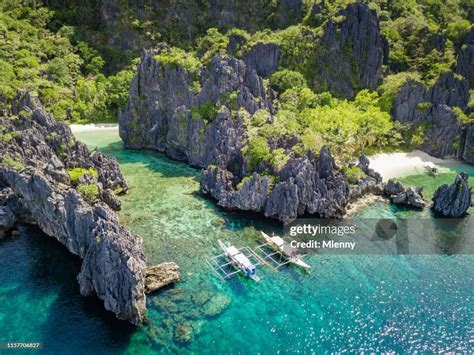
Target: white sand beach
75,128
391,165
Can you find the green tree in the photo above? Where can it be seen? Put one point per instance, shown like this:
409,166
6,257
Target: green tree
287,79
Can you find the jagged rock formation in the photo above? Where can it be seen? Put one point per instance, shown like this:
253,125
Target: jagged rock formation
195,115
159,113
465,67
465,60
36,186
370,184
351,42
395,191
433,109
453,200
305,186
364,164
263,58
159,276
356,48
468,145
393,188
165,112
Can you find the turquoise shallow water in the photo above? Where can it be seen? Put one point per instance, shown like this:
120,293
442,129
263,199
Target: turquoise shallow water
371,303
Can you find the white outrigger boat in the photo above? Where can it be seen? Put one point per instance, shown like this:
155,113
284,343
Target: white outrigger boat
237,259
285,249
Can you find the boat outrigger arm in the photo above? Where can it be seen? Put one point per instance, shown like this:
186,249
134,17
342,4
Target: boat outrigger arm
234,261
285,251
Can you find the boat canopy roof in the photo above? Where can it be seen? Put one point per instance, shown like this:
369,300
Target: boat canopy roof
233,250
241,258
278,241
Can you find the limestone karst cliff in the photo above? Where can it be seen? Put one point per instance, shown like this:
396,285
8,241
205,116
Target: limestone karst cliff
38,156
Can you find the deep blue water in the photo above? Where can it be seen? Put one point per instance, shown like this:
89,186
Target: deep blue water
359,303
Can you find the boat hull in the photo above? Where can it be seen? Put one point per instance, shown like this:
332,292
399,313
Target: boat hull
236,263
296,261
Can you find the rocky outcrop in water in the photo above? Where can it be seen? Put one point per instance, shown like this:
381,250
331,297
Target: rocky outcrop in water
355,47
161,275
433,109
412,197
36,155
453,200
204,115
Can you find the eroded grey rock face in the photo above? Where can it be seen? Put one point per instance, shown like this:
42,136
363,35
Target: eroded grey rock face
263,58
393,188
468,145
411,197
370,184
48,144
159,113
356,48
453,200
306,186
465,60
113,263
36,186
364,163
7,220
433,108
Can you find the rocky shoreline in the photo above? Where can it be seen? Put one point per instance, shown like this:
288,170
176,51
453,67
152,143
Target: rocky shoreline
39,157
